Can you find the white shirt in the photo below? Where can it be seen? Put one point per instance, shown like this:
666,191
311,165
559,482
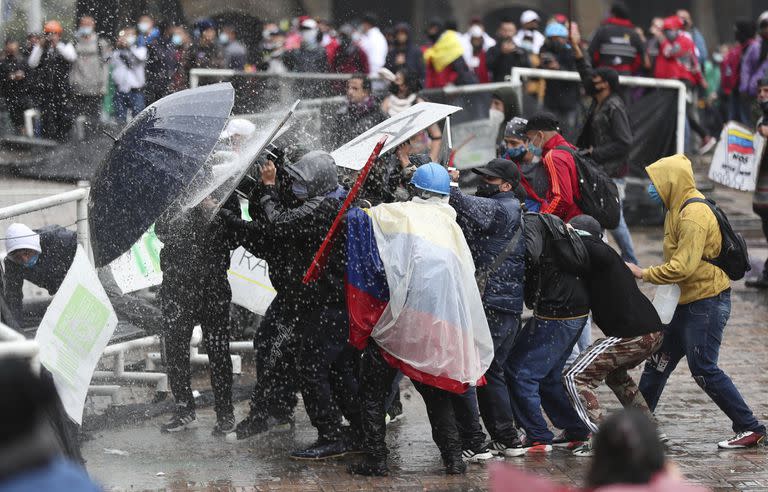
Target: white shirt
375,46
129,77
533,46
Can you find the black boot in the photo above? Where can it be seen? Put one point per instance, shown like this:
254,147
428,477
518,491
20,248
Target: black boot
321,450
454,465
369,467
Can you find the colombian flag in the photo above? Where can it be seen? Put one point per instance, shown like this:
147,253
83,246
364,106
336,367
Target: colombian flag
740,142
411,287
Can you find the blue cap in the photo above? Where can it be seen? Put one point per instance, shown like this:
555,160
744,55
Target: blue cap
432,177
555,29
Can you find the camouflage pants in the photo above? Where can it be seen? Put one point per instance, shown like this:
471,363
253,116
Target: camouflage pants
608,359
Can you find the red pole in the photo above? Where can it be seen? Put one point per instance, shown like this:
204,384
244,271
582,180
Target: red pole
321,257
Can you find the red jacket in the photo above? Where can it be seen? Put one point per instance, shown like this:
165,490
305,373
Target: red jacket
481,70
563,180
730,67
678,61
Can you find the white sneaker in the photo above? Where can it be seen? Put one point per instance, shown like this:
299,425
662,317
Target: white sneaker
476,456
747,439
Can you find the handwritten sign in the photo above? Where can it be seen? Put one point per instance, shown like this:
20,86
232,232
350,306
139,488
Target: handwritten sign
736,157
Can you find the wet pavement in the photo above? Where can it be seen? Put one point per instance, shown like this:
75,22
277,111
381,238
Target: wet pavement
194,460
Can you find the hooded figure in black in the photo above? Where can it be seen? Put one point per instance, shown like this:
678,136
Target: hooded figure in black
195,259
296,228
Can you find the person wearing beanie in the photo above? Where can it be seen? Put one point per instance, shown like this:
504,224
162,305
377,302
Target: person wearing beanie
630,323
492,224
607,135
534,181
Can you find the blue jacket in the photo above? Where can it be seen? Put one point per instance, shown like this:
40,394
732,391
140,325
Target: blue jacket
488,225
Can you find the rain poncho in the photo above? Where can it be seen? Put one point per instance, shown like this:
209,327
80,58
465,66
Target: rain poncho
411,287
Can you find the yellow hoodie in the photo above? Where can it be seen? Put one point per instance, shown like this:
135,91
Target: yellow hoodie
689,235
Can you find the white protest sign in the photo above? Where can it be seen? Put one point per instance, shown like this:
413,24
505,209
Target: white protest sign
474,143
736,158
249,280
74,332
139,267
398,128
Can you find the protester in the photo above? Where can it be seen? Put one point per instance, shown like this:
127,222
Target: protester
615,43
655,38
309,57
677,60
404,53
163,63
632,327
555,289
754,63
128,65
561,97
385,334
695,34
691,233
89,73
760,198
359,114
195,259
533,176
475,54
476,29
529,38
445,63
730,72
147,32
14,84
492,224
206,52
607,136
51,59
348,57
235,52
506,53
373,43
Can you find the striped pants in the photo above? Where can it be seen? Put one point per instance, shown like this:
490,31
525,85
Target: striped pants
608,359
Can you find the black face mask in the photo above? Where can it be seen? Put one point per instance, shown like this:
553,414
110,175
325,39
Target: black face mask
487,190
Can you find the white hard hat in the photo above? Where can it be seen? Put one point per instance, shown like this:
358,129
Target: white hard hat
763,17
20,236
238,126
529,16
308,24
476,31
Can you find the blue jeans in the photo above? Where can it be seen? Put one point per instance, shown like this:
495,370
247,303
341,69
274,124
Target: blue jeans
584,341
695,332
495,405
621,233
535,372
123,101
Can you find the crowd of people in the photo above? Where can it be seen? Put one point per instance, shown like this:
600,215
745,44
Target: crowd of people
428,282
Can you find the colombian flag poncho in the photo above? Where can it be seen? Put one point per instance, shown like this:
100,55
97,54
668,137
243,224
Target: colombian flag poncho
411,287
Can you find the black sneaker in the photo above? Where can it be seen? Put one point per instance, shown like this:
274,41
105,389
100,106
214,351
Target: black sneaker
249,426
758,283
476,455
369,467
455,465
224,425
498,448
183,418
394,413
322,450
563,440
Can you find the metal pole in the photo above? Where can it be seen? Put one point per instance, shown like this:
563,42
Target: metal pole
682,95
34,16
43,203
82,221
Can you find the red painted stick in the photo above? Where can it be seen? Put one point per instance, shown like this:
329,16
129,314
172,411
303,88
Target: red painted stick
321,257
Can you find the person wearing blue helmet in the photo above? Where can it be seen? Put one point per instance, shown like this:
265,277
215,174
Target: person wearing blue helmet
430,180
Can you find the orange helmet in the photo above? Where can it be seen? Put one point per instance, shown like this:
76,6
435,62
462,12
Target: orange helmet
52,26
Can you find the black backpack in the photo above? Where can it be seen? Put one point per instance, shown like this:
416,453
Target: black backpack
733,258
599,194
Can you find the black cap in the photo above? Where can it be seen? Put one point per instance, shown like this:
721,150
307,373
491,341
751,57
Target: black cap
544,122
587,223
500,168
609,75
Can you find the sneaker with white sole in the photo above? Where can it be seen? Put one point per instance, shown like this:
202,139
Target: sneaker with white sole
533,447
224,425
182,419
478,456
746,439
563,440
585,450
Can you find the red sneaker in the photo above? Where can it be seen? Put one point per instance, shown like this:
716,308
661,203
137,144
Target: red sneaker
565,441
526,447
747,439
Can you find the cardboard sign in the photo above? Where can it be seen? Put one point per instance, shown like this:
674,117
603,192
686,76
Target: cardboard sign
74,332
398,129
139,267
249,280
736,158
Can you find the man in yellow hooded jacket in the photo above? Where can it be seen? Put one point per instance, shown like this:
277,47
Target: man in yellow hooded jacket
691,234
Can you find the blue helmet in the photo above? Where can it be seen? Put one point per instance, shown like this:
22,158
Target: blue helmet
432,177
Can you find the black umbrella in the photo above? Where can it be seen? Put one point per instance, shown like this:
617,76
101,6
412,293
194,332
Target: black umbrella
153,159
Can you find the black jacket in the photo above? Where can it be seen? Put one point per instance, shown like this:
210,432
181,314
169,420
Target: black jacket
500,64
58,247
352,120
606,130
488,225
618,306
561,95
414,59
557,265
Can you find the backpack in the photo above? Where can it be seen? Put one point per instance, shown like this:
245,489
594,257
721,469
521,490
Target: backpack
733,258
599,194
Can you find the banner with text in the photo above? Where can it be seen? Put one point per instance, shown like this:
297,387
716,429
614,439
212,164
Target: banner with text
736,158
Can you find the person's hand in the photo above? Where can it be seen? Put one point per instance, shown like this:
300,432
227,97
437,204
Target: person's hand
454,174
575,34
704,84
269,173
209,203
403,153
507,46
763,130
637,272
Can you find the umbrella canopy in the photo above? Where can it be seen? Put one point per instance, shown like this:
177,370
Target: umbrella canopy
152,161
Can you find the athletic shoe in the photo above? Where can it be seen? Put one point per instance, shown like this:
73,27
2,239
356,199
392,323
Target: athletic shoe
663,438
249,426
526,447
758,283
321,450
183,418
478,456
585,450
707,144
498,448
394,413
746,439
224,425
564,441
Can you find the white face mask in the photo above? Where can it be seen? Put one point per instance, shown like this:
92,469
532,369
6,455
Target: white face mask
309,36
130,40
495,116
143,27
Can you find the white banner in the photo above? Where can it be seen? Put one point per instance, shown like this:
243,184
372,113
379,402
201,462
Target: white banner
474,143
737,157
139,267
249,279
74,332
398,128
